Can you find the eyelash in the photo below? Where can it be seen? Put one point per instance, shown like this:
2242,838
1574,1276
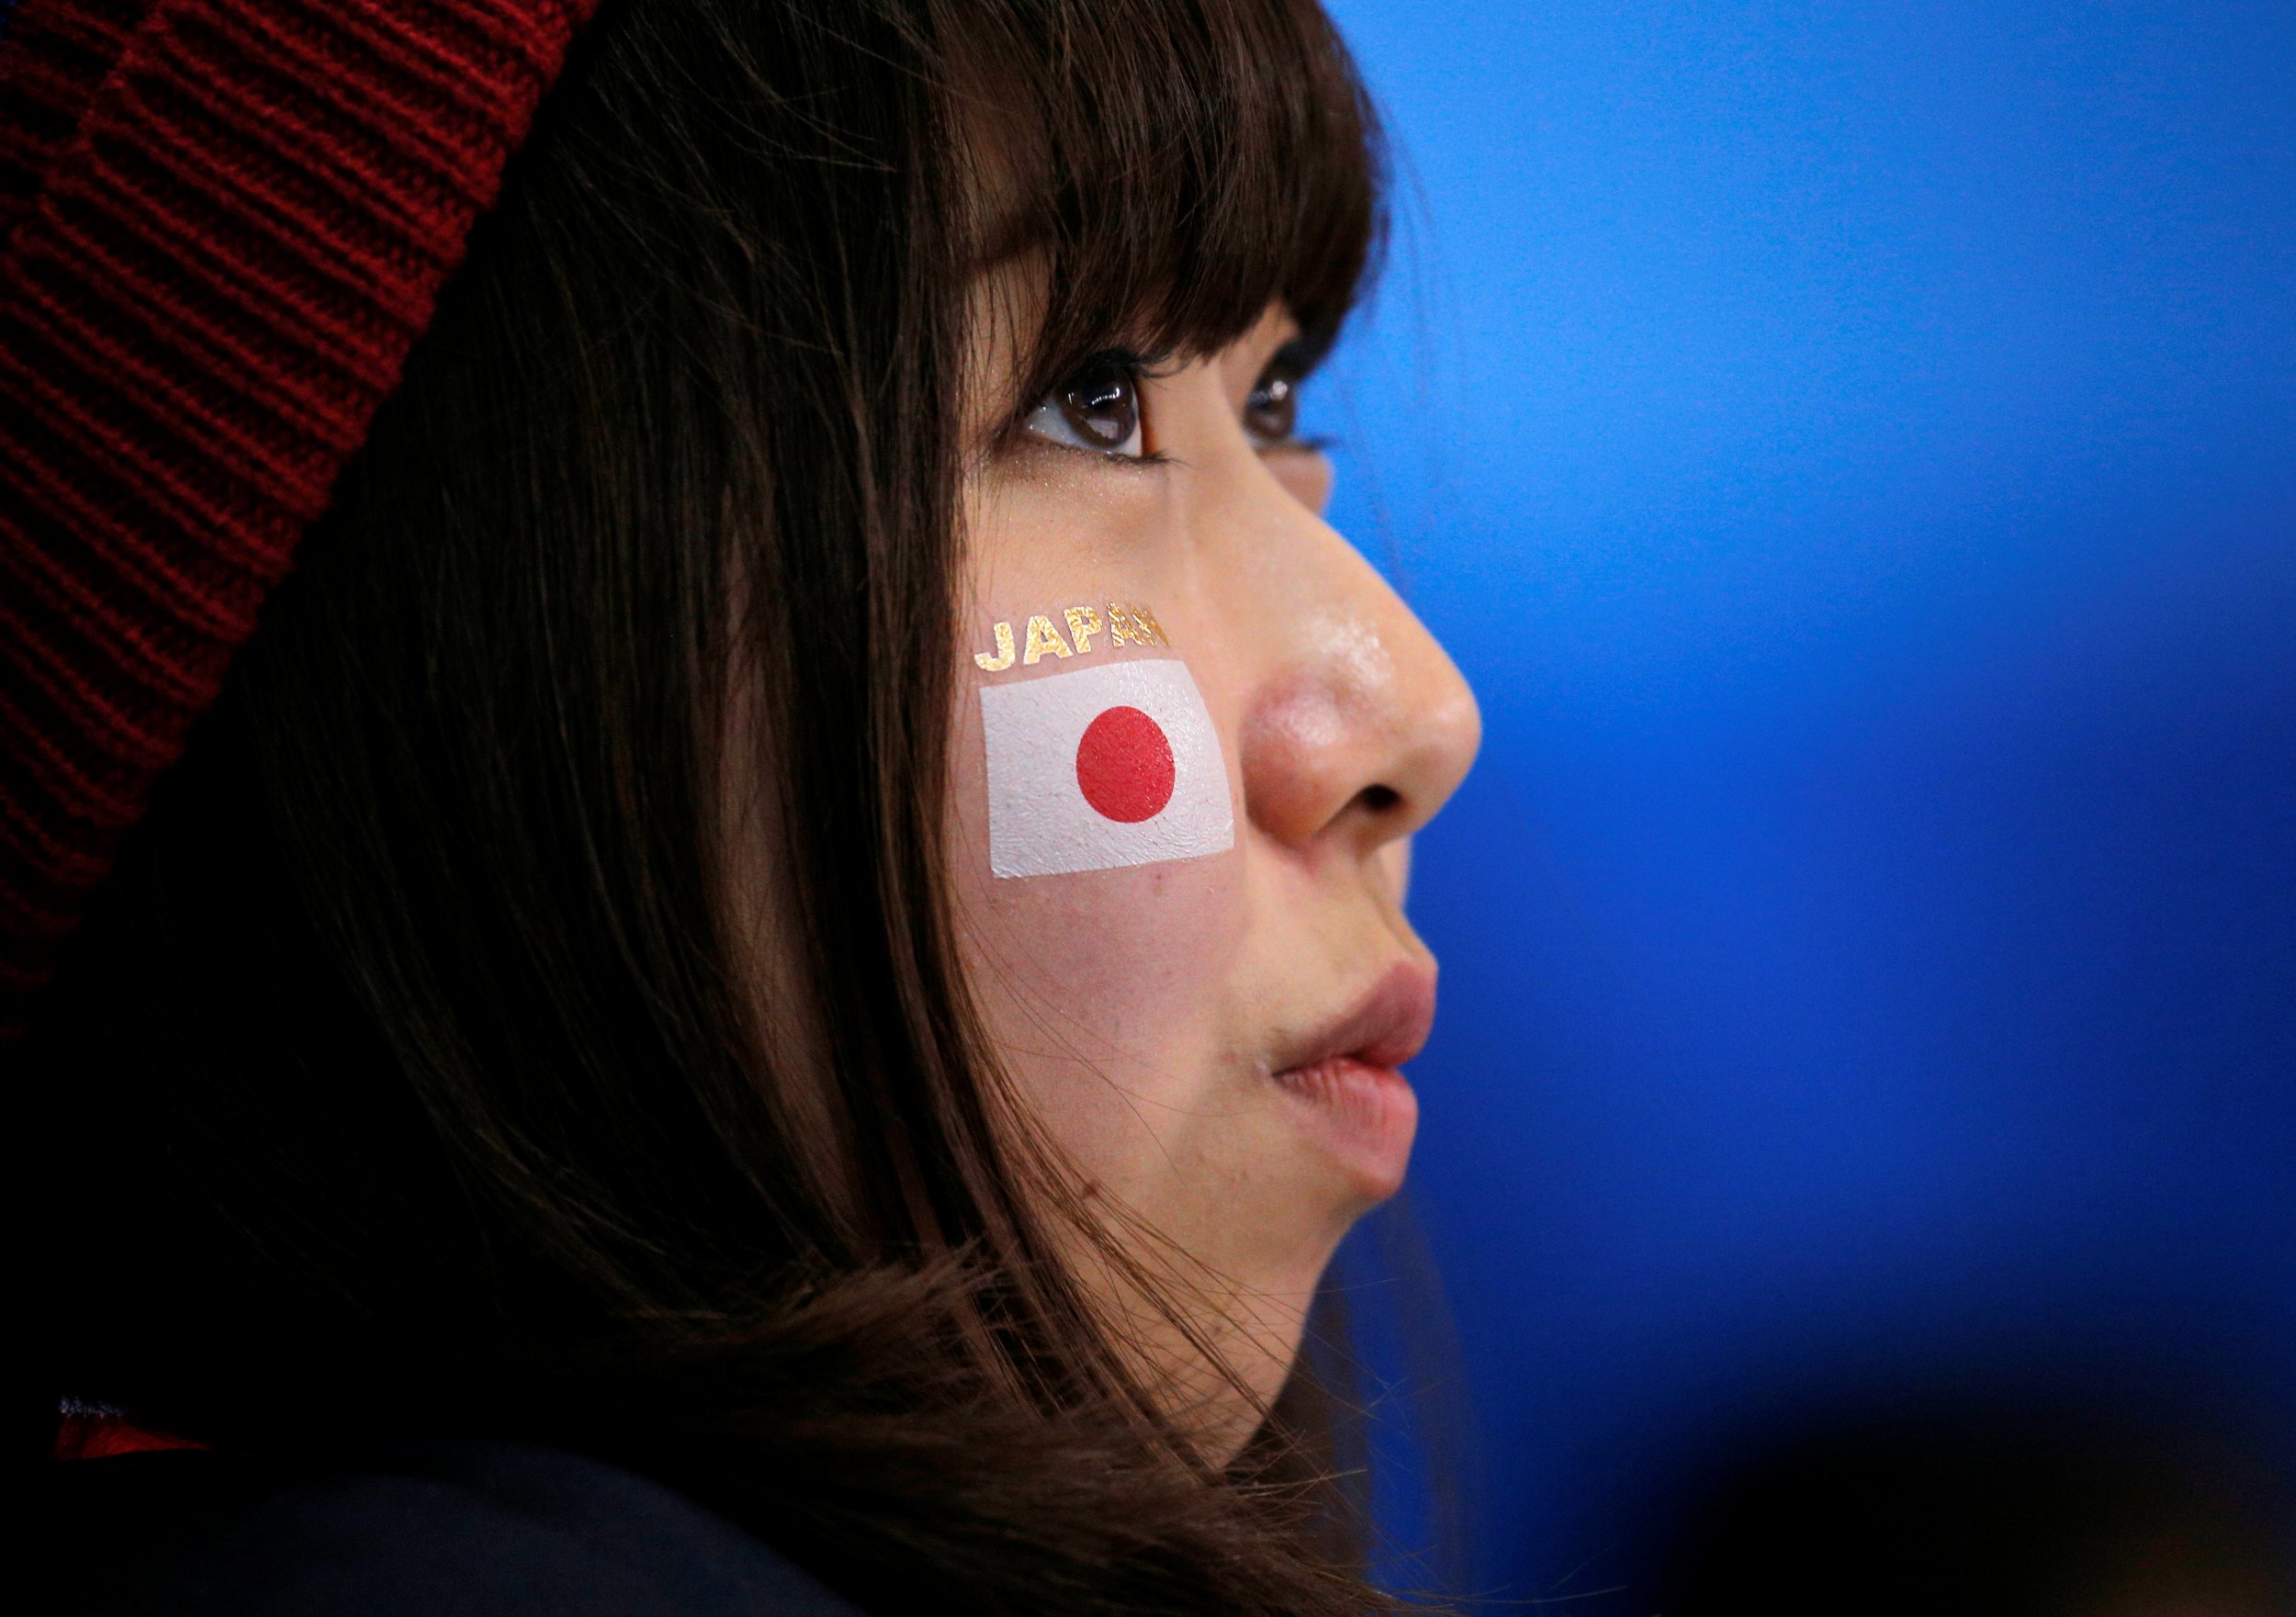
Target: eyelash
1062,417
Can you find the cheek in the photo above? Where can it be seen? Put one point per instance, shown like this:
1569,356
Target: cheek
1104,989
1122,968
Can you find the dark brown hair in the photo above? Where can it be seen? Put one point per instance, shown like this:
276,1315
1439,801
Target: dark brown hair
419,1067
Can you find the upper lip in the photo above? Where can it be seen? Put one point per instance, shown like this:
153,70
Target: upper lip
1386,1028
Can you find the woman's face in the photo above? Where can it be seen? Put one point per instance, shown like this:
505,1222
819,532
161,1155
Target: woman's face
1182,820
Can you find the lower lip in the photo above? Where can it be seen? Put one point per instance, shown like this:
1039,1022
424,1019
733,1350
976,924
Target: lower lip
1362,1115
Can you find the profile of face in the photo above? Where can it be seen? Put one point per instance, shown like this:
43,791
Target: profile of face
1195,963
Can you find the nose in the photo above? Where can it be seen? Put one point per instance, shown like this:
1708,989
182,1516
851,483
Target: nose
1358,728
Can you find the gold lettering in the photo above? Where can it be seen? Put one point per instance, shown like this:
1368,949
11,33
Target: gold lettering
1123,626
1082,624
1003,659
1043,639
1134,625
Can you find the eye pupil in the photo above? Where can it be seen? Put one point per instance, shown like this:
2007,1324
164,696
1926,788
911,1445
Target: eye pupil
1101,403
1272,413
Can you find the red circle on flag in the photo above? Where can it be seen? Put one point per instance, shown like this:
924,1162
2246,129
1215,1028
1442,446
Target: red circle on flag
1124,764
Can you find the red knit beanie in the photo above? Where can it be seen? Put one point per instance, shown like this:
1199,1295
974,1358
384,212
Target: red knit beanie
222,225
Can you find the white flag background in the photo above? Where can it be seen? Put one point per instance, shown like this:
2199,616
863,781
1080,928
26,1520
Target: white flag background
1104,766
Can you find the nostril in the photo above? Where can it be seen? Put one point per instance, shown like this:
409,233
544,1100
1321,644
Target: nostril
1377,799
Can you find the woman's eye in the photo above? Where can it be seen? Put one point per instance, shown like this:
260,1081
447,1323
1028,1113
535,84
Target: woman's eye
1096,408
1271,415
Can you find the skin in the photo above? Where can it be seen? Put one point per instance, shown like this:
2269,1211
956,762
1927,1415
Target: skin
1141,1011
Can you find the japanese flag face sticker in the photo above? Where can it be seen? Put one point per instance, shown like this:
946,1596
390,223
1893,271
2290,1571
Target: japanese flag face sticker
1102,767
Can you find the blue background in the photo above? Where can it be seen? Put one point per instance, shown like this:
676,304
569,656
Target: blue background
1849,449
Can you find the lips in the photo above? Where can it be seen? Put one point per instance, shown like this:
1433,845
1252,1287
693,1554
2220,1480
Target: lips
1352,1099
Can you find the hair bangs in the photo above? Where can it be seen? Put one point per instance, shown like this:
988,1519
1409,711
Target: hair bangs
1170,170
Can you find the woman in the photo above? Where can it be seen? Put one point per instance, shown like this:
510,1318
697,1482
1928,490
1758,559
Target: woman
789,933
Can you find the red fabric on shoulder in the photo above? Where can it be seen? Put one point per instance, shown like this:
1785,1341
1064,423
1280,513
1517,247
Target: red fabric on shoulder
84,1434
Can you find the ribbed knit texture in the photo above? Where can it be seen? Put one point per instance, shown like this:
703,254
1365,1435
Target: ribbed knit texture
226,222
